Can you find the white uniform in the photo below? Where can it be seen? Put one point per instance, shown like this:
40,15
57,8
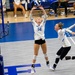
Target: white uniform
17,2
38,29
62,36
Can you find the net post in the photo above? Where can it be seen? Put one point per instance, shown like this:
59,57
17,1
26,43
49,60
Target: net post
2,17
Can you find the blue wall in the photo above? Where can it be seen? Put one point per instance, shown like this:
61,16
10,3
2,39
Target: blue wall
24,30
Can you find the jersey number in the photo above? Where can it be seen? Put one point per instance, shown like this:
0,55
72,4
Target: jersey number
39,29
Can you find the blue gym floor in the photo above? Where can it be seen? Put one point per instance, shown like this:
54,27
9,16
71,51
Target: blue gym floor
24,31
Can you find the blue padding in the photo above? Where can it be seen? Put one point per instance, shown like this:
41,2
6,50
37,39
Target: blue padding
0,7
0,4
1,65
24,30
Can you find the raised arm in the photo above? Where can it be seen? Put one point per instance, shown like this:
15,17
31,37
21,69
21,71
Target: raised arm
31,17
44,12
68,29
71,26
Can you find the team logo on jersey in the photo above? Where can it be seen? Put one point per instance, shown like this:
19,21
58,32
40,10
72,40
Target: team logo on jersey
39,29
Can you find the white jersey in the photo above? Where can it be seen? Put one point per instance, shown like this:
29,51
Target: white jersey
63,38
38,29
17,2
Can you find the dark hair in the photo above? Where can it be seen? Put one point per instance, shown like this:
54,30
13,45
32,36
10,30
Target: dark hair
60,24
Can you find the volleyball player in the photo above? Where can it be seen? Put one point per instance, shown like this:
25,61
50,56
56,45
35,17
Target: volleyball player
39,37
66,45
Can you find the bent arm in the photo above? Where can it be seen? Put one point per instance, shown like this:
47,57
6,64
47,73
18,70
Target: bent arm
71,32
44,17
68,29
31,17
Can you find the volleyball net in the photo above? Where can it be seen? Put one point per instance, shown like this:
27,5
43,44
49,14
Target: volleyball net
4,28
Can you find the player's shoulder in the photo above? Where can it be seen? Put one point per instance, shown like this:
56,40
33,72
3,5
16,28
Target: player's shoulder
61,30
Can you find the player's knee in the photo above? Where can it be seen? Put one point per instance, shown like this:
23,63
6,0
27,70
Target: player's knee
57,56
34,57
45,55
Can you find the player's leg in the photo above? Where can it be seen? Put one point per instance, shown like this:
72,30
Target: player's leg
23,10
74,7
15,9
64,4
65,52
57,59
36,49
44,49
60,55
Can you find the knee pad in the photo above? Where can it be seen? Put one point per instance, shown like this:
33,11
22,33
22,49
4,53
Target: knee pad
57,59
34,57
45,55
57,56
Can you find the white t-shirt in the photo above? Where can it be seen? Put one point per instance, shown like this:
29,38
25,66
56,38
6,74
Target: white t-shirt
38,29
63,38
17,2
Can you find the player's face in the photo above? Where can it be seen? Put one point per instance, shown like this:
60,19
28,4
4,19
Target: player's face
56,27
38,20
